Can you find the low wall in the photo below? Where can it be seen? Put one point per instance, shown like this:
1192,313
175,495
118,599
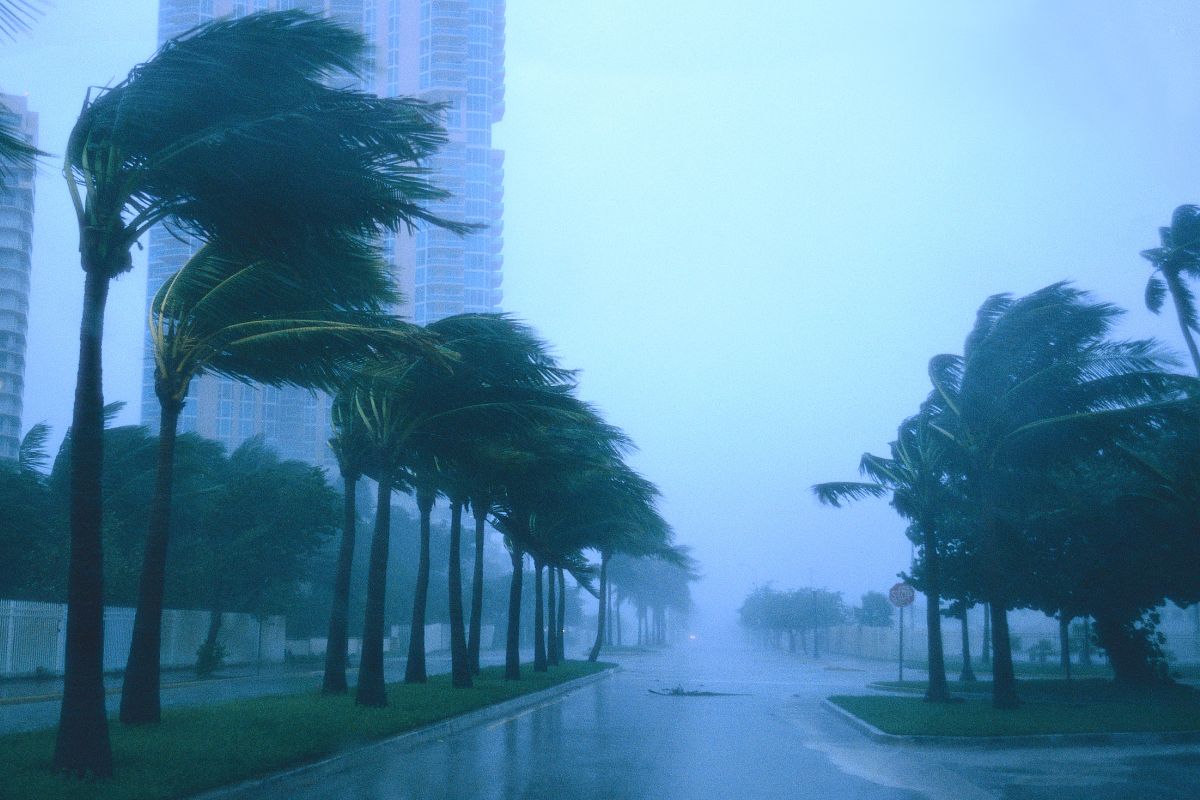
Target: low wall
33,637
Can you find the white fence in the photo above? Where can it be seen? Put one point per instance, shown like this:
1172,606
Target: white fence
1028,628
437,639
33,637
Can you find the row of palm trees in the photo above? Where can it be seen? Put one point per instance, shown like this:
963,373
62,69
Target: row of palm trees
240,135
1037,455
498,431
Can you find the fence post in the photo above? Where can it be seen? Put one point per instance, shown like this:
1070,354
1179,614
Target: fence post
60,643
8,641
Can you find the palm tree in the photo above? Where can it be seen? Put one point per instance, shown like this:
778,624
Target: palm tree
15,151
229,133
352,449
915,477
502,379
1175,261
247,319
1038,384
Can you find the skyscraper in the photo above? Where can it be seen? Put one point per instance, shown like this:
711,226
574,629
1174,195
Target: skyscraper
16,233
446,51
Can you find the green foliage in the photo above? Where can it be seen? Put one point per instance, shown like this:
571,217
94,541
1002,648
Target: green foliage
874,611
1090,706
800,610
209,658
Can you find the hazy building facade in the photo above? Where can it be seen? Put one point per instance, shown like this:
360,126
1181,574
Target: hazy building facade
16,248
449,51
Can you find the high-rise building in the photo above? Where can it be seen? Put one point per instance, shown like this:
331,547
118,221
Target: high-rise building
446,51
16,247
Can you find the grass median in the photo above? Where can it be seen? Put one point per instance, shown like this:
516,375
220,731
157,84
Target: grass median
1048,707
198,748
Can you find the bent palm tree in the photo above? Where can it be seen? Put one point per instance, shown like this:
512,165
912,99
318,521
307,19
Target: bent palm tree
228,133
915,477
246,319
1176,260
1038,384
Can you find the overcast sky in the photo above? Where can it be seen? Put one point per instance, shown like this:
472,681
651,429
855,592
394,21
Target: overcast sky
751,224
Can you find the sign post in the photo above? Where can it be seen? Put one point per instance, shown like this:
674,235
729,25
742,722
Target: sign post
901,595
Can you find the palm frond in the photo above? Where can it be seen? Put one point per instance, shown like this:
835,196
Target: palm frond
32,455
838,493
17,15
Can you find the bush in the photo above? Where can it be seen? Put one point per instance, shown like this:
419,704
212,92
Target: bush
209,659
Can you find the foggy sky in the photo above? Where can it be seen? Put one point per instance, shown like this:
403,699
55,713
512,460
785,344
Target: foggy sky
751,224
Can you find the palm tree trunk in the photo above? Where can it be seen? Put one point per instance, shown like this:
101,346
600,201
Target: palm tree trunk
207,660
1004,681
968,673
414,670
1175,285
371,689
82,746
561,626
1085,652
334,681
552,611
539,620
985,655
512,652
1064,643
617,619
473,643
608,627
460,667
595,653
140,690
938,691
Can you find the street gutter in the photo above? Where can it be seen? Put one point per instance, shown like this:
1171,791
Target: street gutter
437,730
1005,742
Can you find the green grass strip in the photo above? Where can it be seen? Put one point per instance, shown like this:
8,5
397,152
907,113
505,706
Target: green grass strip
202,747
1048,707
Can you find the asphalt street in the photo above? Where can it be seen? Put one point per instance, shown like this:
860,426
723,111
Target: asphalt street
763,735
766,737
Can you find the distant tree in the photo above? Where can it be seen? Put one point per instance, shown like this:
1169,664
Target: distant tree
874,611
267,519
27,546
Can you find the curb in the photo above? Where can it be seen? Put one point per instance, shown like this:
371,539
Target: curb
1005,742
437,730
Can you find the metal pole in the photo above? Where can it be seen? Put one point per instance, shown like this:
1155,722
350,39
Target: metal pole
902,643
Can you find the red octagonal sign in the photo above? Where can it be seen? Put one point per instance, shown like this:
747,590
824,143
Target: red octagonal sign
902,595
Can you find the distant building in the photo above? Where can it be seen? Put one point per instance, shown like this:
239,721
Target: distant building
449,51
16,247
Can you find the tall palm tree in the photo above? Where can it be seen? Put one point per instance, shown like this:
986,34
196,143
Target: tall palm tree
247,318
915,476
1175,262
352,450
229,132
1038,384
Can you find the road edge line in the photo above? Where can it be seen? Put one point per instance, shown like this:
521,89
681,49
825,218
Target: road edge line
436,730
1123,738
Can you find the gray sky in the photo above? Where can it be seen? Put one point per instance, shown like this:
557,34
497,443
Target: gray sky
751,224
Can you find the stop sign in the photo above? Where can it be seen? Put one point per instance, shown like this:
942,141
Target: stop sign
901,595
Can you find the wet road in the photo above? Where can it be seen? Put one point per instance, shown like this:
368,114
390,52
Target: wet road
770,738
614,739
